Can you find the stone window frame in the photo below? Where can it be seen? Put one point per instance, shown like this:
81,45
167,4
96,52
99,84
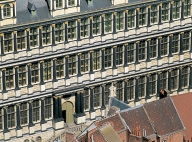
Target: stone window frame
120,16
86,96
7,11
60,67
131,17
73,64
108,57
176,9
185,77
72,30
58,4
174,79
142,50
164,45
152,84
46,35
48,108
34,37
130,89
11,118
23,110
107,93
59,32
8,42
97,96
22,75
163,82
36,109
96,25
153,48
84,61
21,39
165,12
84,27
131,52
108,22
35,73
119,90
142,86
1,119
186,40
9,76
119,54
175,43
143,16
96,60
154,14
187,8
47,70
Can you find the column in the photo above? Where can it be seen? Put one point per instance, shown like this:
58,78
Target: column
2,44
170,48
4,80
103,96
79,29
40,37
126,20
190,79
54,70
148,50
91,27
182,10
149,16
66,67
126,69
171,11
66,33
16,78
29,85
82,103
41,73
43,111
114,60
60,109
102,25
181,45
137,53
169,80
30,114
53,34
79,75
91,100
55,108
180,80
18,127
158,83
78,103
91,73
147,87
137,18
28,40
103,73
159,48
5,120
136,90
125,92
114,22
160,10
15,42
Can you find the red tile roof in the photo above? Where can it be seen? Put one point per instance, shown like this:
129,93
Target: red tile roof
183,103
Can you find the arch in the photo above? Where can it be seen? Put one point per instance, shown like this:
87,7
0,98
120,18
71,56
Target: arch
39,139
67,111
26,140
7,10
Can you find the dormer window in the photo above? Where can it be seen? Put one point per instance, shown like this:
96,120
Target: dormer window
7,10
89,2
32,8
59,3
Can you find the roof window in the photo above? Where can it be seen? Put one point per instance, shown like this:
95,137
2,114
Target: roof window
32,8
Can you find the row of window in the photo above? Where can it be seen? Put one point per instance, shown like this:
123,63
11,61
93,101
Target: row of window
60,3
24,113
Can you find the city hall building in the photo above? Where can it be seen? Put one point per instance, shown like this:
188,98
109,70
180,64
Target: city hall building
61,60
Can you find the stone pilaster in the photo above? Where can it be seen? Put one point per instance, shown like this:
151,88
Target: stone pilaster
15,42
171,11
160,13
125,92
136,90
66,33
79,75
53,34
158,84
147,87
180,81
40,37
170,48
181,54
67,78
54,74
149,17
42,83
182,10
28,40
103,71
79,29
190,79
126,20
169,80
114,60
102,27
126,66
5,130
148,54
17,89
91,73
137,18
2,44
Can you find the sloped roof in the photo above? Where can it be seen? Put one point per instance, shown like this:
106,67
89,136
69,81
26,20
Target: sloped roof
183,103
115,102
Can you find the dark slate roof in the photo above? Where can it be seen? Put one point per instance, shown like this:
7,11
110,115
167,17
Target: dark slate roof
23,14
115,102
97,4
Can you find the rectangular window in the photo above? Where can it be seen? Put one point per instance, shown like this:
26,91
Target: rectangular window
142,50
59,32
108,23
141,87
72,64
186,41
175,43
142,16
23,113
96,25
130,89
46,34
33,37
1,118
96,96
84,62
107,93
174,79
71,2
60,67
108,57
20,40
130,52
9,78
187,8
22,75
119,20
119,90
47,70
119,55
185,76
96,59
71,30
153,48
8,42
84,27
154,14
164,45
34,73
11,116
36,110
176,9
86,99
152,84
165,11
163,80
59,3
48,108
131,18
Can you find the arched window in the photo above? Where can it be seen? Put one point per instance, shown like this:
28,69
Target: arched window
26,140
7,10
38,139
